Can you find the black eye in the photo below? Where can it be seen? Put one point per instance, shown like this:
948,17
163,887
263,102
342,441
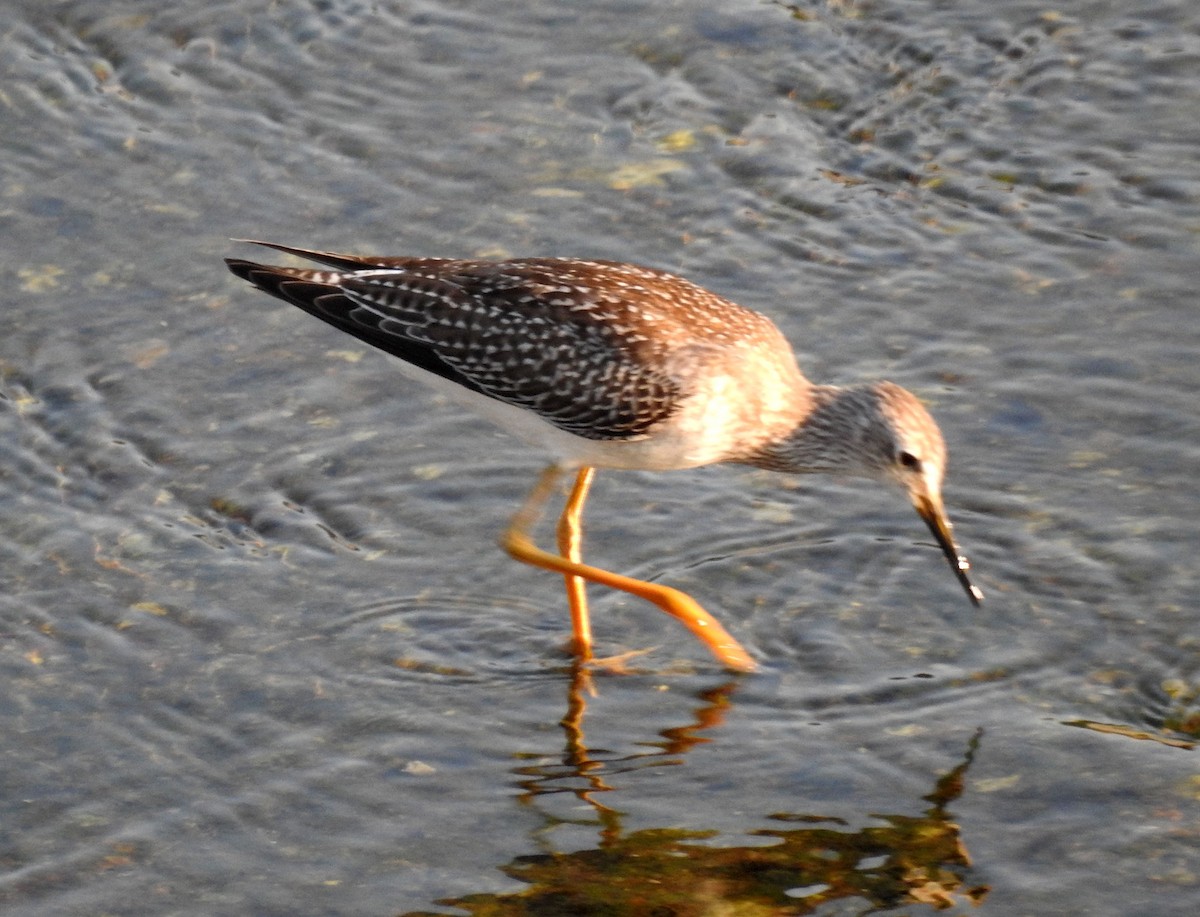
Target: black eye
909,461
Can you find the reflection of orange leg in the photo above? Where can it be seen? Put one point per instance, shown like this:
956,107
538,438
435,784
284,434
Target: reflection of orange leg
519,544
570,542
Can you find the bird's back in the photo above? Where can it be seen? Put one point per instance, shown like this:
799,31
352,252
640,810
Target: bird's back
599,349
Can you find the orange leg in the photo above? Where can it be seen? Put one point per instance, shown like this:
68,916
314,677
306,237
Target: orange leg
519,544
570,544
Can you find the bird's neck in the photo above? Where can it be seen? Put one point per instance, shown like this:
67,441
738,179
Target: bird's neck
823,439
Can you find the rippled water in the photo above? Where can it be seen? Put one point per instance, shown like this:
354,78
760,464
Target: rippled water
259,652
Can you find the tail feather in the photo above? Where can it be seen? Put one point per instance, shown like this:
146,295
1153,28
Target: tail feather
339,260
319,293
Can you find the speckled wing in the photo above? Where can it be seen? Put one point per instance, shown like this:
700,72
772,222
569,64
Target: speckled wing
566,344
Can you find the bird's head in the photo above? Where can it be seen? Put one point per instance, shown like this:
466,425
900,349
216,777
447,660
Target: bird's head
881,431
913,455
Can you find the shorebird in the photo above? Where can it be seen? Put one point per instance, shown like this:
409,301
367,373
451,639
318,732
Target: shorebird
610,365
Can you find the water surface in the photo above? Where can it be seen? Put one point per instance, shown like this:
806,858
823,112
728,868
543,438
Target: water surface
259,651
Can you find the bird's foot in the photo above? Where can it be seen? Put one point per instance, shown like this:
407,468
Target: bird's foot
617,665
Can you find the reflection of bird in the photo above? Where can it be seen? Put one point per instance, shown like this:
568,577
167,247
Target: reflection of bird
614,366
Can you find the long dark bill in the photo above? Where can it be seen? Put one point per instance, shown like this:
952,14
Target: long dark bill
935,517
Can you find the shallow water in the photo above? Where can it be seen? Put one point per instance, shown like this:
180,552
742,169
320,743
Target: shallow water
259,651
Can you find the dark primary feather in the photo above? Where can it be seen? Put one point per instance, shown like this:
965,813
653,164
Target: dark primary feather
322,299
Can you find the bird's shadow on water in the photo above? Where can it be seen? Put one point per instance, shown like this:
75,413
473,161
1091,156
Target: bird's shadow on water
809,860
